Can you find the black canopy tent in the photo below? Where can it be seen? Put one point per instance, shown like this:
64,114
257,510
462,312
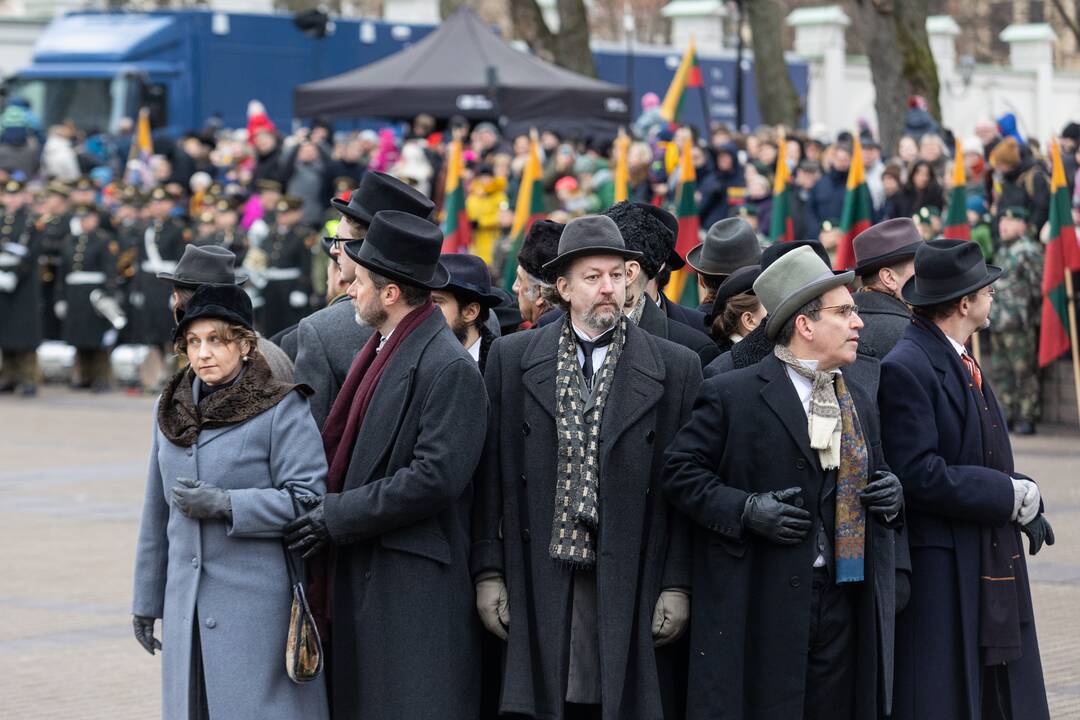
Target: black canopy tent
464,69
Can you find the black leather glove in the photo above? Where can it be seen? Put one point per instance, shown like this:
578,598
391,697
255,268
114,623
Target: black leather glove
903,591
1038,532
772,517
308,533
199,501
883,495
144,633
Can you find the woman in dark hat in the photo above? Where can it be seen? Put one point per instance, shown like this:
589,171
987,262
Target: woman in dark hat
736,311
234,451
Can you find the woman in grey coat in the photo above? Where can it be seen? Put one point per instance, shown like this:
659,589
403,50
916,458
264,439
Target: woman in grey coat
232,449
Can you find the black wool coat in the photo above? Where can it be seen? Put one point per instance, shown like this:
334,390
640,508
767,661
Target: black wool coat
691,317
933,440
169,238
92,252
20,310
885,319
750,615
405,636
643,545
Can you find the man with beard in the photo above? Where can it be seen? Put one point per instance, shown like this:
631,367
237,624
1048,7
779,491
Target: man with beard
403,440
466,303
328,340
581,412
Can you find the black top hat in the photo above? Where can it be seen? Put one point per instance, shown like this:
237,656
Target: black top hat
404,248
674,261
205,265
885,244
224,302
469,277
729,245
590,235
379,191
947,270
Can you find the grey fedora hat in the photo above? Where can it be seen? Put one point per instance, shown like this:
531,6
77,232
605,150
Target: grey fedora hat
205,265
729,245
590,235
885,244
791,282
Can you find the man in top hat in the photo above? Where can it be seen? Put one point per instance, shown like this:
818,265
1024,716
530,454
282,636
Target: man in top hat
328,340
729,245
580,413
287,293
51,227
966,645
780,467
466,303
20,292
403,440
214,265
535,294
884,261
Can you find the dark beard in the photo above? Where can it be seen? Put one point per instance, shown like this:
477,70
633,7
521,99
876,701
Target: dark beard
460,329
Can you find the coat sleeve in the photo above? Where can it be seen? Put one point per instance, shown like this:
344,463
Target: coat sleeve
152,550
690,478
449,440
678,564
910,436
297,466
313,369
487,546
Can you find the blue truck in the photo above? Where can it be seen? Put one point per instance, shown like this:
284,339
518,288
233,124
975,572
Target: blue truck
187,66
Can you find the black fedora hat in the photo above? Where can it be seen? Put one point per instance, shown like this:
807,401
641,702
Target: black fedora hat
729,245
674,262
590,235
224,302
470,278
403,247
947,270
205,265
885,244
778,250
379,191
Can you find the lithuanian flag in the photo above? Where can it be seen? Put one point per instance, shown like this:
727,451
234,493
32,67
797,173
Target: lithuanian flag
622,166
1062,257
457,232
687,76
683,286
782,225
528,209
858,209
956,224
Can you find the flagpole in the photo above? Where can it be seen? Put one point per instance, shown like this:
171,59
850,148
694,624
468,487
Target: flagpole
1072,338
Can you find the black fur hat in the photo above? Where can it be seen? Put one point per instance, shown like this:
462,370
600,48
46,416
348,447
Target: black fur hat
541,246
642,231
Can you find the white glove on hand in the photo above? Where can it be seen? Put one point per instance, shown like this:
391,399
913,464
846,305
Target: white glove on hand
1026,501
60,308
298,299
670,617
7,282
493,604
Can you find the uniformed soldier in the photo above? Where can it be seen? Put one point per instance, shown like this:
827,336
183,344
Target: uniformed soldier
229,234
51,229
1013,323
20,293
128,229
270,194
89,265
205,229
287,293
83,193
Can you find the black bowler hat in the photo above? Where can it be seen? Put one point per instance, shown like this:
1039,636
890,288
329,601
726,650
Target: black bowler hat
379,191
947,270
729,245
738,282
223,302
404,248
778,250
469,277
590,235
205,265
673,262
885,244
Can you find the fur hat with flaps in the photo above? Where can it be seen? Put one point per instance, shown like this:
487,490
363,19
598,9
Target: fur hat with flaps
541,245
644,232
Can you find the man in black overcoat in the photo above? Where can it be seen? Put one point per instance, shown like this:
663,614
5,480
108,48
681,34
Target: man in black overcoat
884,261
966,647
795,563
580,564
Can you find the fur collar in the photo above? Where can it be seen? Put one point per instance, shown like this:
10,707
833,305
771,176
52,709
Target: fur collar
752,348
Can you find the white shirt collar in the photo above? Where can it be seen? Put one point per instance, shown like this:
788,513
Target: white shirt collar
474,350
599,353
804,388
958,347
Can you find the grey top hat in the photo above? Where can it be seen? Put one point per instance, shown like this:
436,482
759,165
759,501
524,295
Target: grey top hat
729,245
590,235
205,265
791,282
885,244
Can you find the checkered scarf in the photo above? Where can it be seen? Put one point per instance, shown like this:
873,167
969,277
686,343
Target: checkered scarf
577,517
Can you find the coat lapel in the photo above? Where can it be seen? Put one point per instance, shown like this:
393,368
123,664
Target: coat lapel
538,365
637,386
946,361
781,397
653,320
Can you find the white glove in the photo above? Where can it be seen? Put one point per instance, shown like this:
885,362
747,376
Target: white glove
493,604
298,299
670,617
60,308
7,282
1026,501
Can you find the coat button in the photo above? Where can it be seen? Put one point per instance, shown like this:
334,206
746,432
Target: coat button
650,436
190,452
794,581
799,502
367,575
211,623
194,562
523,479
525,537
525,428
800,464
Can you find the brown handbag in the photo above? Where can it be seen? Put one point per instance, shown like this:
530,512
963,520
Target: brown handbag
303,648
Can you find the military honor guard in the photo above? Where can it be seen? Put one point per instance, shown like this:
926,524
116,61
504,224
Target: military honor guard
20,292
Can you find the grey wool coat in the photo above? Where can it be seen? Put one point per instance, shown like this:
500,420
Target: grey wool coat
643,545
327,342
404,632
232,574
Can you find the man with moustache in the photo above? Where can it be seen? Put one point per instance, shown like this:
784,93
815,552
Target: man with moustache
581,410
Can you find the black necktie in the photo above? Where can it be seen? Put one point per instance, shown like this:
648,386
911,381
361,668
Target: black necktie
587,347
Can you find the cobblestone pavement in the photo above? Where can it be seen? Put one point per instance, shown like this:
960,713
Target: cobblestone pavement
71,483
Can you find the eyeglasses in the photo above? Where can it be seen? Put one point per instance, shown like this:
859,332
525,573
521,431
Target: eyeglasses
844,311
332,241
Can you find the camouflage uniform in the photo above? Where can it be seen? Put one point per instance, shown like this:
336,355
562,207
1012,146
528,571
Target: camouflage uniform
1014,328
